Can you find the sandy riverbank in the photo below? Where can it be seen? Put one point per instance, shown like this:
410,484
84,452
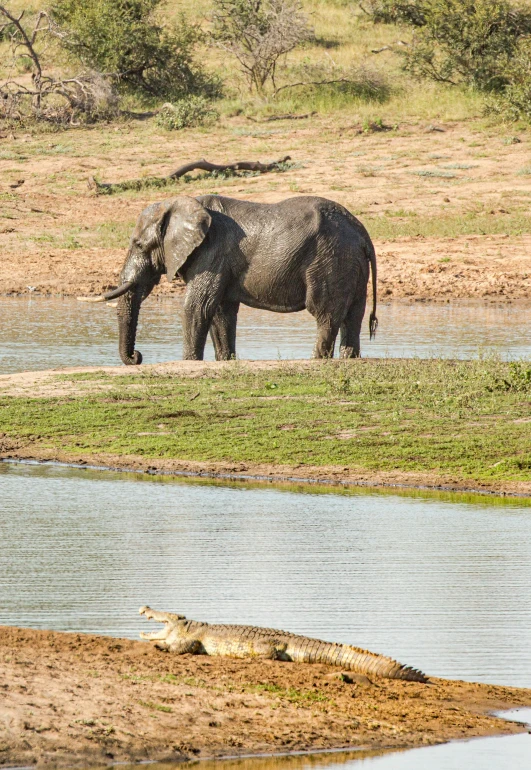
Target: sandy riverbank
75,699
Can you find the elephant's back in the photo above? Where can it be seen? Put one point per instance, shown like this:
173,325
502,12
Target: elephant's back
284,248
305,216
252,215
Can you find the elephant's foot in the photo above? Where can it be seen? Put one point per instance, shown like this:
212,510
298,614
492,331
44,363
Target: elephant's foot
349,352
225,355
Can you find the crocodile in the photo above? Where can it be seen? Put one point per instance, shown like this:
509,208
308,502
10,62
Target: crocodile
182,636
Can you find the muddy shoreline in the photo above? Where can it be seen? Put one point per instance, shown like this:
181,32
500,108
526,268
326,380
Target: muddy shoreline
251,473
72,699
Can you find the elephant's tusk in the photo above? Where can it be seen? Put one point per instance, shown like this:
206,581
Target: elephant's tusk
121,290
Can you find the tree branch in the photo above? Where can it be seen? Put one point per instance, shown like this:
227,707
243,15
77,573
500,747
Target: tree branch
242,165
107,188
313,83
27,41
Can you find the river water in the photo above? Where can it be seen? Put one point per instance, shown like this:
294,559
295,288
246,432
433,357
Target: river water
440,585
42,333
438,582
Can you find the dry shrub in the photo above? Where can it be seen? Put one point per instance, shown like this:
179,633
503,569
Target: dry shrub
30,90
358,81
258,34
394,11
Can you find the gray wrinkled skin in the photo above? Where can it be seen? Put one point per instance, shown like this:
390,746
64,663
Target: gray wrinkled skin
304,252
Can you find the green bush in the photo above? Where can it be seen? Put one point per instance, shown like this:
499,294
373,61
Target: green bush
125,40
395,11
186,113
514,102
517,378
468,41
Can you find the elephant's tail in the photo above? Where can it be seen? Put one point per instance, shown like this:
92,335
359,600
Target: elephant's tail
371,255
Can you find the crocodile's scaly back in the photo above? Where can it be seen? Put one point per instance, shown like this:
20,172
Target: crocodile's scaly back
304,649
357,659
182,635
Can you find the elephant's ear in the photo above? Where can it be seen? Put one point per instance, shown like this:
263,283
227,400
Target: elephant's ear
187,223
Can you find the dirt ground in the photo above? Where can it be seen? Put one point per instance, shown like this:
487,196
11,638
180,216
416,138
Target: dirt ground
59,238
74,699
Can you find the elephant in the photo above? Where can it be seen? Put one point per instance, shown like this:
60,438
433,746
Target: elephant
304,252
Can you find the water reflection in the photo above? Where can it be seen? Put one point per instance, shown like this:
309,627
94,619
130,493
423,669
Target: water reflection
443,586
499,753
40,333
294,761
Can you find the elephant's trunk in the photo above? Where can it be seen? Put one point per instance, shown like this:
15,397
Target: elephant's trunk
128,310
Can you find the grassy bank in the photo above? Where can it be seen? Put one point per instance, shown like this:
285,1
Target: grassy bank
468,419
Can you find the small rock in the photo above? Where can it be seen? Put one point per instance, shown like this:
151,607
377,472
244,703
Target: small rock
350,678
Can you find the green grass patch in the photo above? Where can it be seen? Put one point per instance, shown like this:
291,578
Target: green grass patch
291,693
445,225
155,706
467,418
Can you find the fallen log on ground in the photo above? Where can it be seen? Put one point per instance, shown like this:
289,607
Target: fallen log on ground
289,116
108,188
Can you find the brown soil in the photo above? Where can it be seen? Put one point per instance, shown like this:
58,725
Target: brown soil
58,238
75,699
408,268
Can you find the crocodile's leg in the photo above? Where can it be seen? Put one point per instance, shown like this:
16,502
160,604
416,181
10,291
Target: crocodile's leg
181,646
269,649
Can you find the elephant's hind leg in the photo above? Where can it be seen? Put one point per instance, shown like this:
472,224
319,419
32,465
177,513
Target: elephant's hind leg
325,302
350,330
223,330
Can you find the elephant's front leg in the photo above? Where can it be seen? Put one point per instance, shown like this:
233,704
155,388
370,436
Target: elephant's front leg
201,302
223,330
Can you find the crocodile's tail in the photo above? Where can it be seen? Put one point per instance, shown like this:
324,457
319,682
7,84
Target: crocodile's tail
361,661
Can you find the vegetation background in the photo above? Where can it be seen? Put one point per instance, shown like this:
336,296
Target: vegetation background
384,67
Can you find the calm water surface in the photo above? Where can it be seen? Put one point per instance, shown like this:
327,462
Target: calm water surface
40,333
439,585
